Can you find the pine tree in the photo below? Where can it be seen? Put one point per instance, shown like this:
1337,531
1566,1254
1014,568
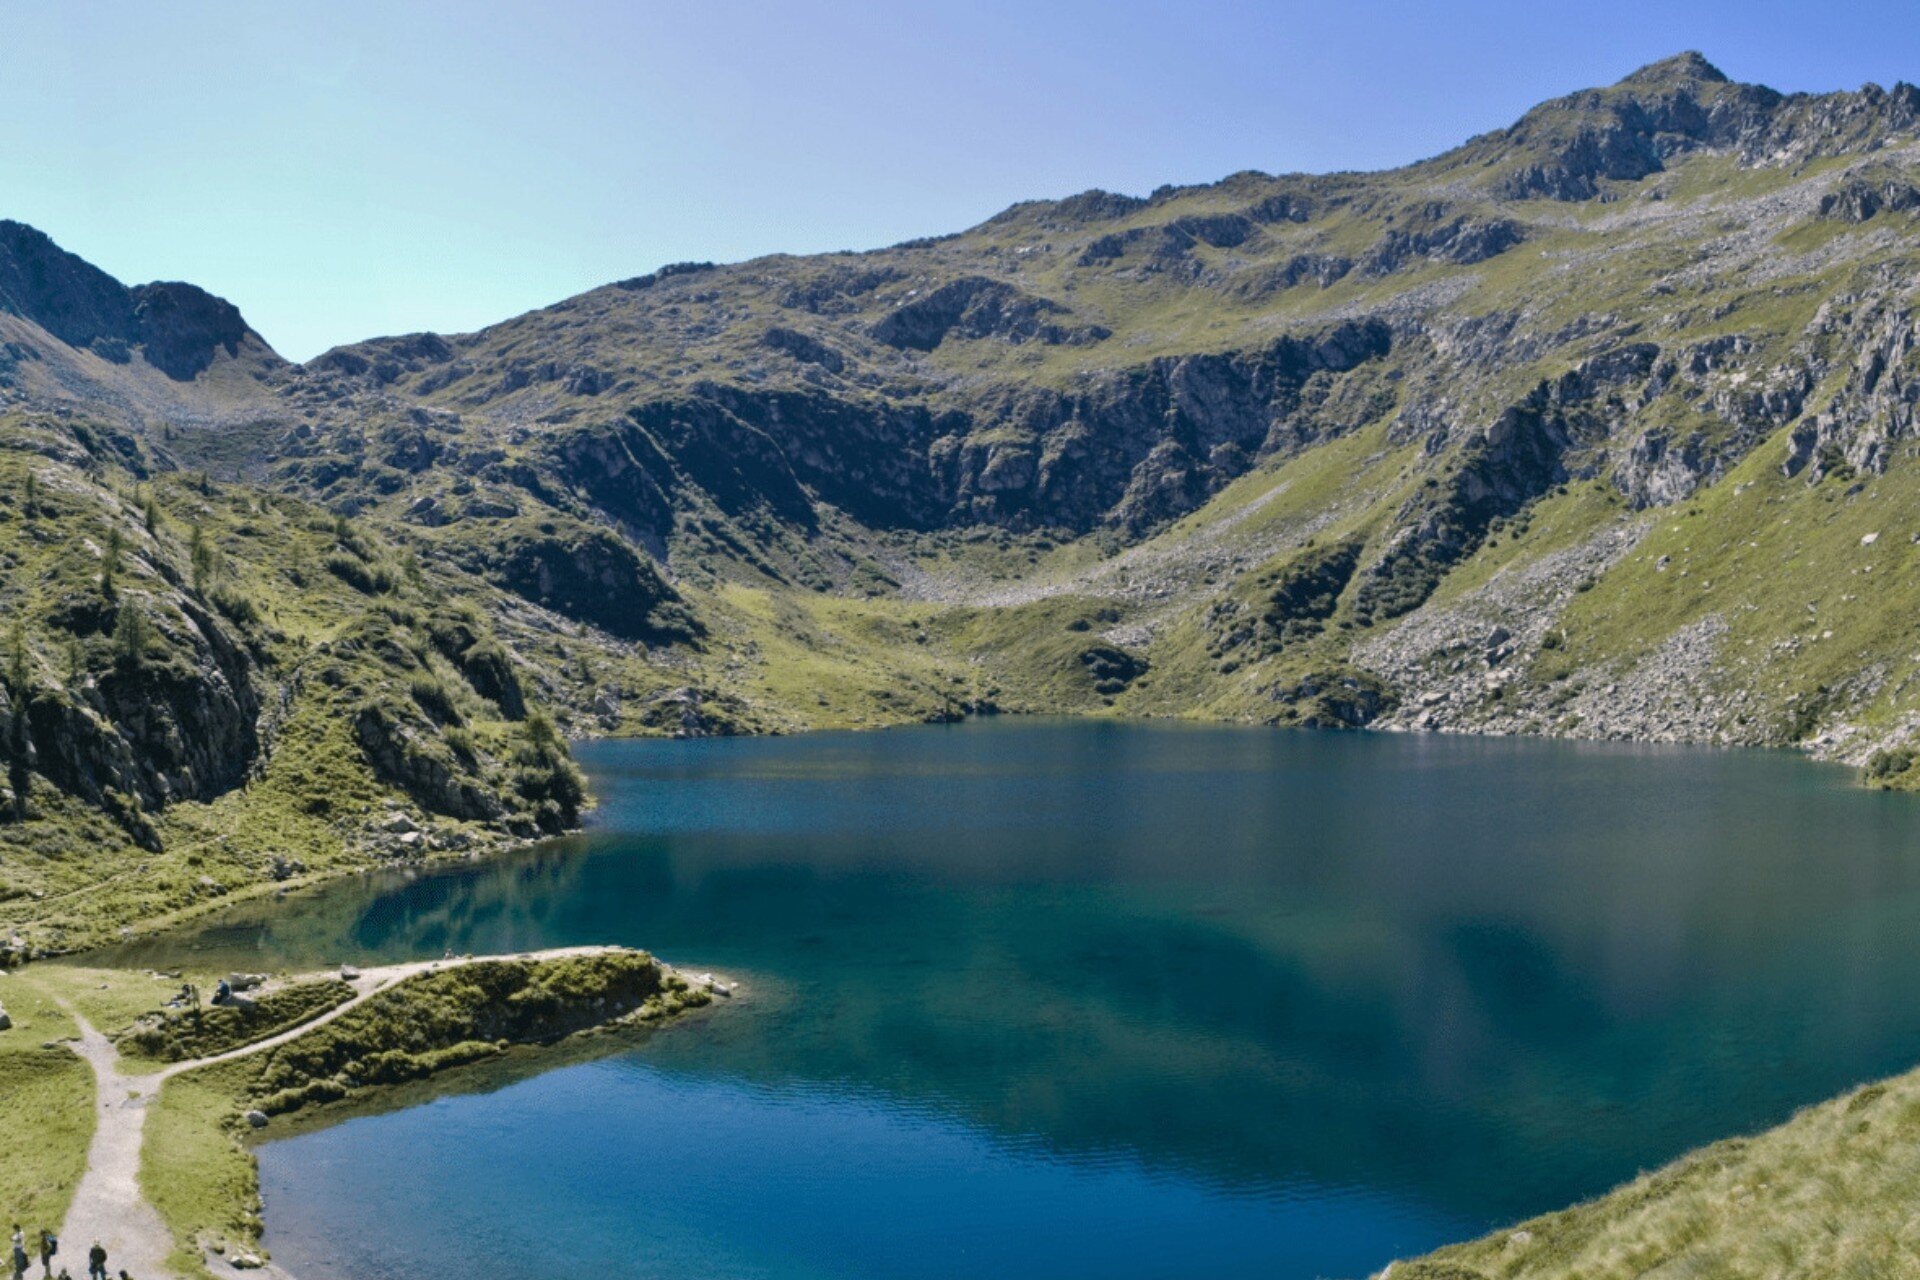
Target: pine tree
110,568
201,552
31,498
19,665
131,635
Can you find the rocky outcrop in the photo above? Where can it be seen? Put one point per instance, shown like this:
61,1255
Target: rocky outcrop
178,328
1549,437
1146,445
1133,449
584,572
459,1014
1868,192
804,349
977,307
1438,234
175,720
407,750
1875,408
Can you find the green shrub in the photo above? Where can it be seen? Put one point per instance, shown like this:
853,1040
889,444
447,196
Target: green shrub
368,579
176,1036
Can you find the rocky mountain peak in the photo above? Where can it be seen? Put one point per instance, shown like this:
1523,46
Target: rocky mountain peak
1681,69
67,296
179,328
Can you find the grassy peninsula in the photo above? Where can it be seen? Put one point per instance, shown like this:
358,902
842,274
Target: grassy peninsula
174,1096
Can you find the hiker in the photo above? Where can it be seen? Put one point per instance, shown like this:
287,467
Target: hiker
223,993
19,1253
97,1262
49,1245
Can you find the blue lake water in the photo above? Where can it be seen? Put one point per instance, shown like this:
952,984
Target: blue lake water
1078,998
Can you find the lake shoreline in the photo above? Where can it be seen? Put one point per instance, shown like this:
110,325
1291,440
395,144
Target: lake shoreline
936,801
434,859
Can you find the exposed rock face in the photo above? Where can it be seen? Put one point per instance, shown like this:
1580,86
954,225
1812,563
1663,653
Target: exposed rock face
1866,195
1134,449
147,732
405,750
804,349
1440,235
179,328
1875,409
590,574
1547,438
72,300
976,307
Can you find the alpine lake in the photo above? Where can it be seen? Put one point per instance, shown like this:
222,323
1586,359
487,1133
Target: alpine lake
1048,998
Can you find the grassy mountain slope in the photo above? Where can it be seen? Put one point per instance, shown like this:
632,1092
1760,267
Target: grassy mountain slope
210,690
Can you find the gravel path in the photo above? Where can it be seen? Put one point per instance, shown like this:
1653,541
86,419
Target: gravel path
108,1206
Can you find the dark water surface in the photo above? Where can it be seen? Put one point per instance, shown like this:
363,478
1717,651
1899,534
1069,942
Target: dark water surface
1038,999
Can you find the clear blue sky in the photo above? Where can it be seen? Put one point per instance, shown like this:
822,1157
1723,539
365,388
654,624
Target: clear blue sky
348,169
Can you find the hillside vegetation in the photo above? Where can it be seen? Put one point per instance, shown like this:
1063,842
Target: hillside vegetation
1600,425
1829,1193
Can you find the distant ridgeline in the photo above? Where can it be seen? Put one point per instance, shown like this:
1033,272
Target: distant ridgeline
1602,424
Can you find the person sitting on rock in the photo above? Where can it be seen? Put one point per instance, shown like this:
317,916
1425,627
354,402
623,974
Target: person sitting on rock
223,994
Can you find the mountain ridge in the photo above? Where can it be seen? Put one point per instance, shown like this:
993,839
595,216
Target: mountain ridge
1599,425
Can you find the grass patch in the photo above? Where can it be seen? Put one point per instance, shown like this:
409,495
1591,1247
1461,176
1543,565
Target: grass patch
46,1110
1829,1193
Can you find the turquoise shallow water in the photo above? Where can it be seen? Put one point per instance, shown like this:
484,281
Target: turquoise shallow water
1043,998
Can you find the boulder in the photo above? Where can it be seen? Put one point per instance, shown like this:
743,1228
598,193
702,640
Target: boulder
258,1119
